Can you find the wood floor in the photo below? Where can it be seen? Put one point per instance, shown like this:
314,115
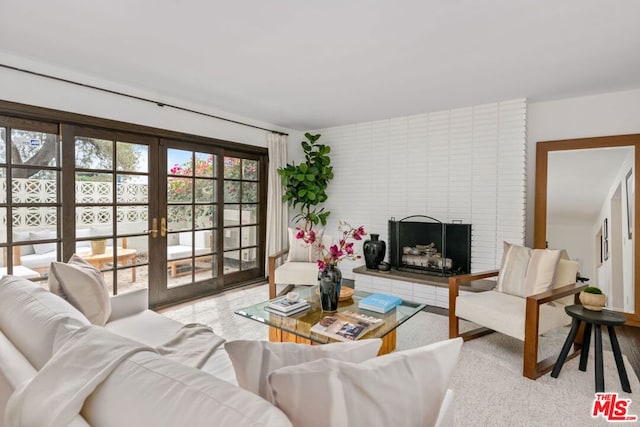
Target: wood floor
628,336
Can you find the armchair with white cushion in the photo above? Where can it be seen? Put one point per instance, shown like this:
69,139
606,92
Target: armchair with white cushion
296,265
533,287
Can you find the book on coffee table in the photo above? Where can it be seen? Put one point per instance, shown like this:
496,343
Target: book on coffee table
380,303
346,325
282,305
287,313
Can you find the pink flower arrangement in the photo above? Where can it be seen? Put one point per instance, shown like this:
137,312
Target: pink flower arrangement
335,253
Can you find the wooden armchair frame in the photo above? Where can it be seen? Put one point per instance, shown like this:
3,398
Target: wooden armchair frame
273,264
531,367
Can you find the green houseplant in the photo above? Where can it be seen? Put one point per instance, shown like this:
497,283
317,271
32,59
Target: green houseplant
592,298
305,184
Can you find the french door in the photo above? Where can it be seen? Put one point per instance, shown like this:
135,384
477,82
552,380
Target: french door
209,230
180,218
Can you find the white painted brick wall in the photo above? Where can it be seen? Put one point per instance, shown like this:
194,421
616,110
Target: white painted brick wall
465,164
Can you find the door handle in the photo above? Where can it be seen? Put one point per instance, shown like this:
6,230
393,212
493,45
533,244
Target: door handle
163,227
153,232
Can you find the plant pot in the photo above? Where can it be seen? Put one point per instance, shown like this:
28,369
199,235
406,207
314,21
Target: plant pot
593,302
98,247
329,283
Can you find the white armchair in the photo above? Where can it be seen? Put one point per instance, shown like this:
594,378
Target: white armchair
296,265
521,317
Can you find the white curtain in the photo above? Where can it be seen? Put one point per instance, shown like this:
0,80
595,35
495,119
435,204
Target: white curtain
277,212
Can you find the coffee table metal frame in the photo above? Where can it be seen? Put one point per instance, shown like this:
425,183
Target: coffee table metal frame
297,327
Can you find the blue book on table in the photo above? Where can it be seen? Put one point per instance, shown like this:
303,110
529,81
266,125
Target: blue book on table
380,303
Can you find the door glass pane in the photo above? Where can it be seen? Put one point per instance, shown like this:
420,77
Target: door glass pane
179,162
34,186
250,170
249,192
3,185
38,148
205,190
231,238
179,190
249,259
34,219
179,217
205,216
3,226
231,262
231,215
231,191
92,187
132,157
249,236
93,153
3,145
232,167
205,165
249,214
132,189
132,219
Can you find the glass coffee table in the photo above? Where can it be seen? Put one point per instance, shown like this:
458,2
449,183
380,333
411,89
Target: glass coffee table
297,327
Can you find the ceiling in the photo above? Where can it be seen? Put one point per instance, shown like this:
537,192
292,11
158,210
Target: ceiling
578,182
310,65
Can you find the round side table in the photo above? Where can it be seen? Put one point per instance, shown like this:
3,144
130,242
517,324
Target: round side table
594,318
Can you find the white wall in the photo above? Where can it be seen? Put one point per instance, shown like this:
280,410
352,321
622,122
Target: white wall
577,239
28,89
616,113
608,279
465,164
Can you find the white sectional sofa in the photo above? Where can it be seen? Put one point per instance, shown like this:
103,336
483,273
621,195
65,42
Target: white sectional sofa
148,389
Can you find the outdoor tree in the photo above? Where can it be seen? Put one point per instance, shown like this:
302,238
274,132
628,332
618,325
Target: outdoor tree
38,149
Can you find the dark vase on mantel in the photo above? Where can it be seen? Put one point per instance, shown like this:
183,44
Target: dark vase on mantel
329,283
374,251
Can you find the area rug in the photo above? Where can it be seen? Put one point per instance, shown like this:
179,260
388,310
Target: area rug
488,383
491,391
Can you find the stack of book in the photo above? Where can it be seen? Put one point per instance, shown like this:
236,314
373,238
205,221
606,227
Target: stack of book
285,307
380,303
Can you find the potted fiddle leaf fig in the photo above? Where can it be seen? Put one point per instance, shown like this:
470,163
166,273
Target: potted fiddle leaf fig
592,298
305,184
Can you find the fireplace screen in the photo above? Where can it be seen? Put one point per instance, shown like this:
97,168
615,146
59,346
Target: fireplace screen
423,244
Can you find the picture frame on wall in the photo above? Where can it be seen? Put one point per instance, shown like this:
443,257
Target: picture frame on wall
630,190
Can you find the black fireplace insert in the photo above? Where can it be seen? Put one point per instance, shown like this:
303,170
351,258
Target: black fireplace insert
420,243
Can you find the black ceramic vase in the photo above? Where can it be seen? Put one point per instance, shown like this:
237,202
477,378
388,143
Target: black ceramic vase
329,282
374,251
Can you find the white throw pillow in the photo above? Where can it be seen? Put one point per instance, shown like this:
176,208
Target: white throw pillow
398,389
254,360
83,286
43,248
300,251
513,270
541,271
526,271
